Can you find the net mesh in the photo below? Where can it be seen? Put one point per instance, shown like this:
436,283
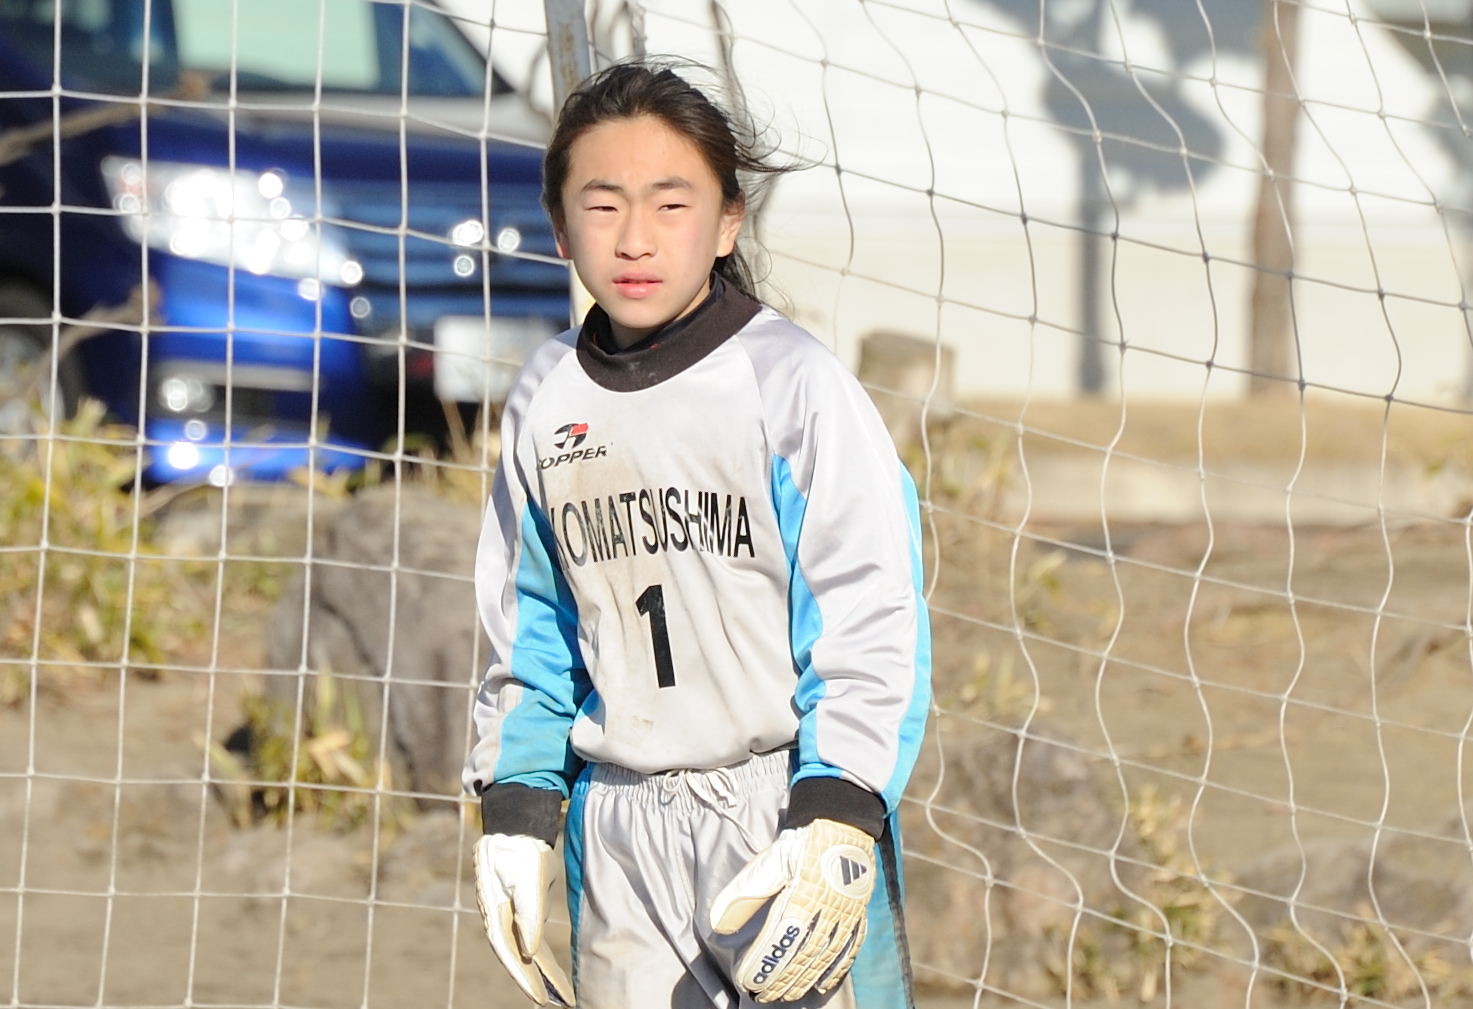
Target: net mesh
1164,303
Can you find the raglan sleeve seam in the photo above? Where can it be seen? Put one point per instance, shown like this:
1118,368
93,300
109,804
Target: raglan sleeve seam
862,655
522,762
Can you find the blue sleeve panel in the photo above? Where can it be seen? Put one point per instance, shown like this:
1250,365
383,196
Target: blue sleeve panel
816,755
546,660
913,727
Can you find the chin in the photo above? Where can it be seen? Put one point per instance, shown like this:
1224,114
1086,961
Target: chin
647,321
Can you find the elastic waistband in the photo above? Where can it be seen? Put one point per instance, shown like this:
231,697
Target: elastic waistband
687,788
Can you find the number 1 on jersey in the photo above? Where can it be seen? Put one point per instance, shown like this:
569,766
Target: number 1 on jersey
651,602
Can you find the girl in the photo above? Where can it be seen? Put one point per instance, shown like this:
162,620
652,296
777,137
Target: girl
700,576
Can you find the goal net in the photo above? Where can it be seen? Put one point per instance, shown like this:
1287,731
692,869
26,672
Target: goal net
1165,304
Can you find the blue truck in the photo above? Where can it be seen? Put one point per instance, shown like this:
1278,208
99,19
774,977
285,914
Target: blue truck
271,234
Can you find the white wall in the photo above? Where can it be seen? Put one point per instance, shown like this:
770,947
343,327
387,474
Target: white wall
905,102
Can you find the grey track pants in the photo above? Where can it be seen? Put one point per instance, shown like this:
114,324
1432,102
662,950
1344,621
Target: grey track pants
647,855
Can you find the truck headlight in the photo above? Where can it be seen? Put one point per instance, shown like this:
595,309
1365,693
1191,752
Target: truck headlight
185,394
508,240
240,218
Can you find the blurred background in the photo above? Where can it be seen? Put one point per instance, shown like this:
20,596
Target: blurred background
1165,303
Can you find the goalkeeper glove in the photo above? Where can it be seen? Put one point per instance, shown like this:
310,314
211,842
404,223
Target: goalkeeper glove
514,873
822,875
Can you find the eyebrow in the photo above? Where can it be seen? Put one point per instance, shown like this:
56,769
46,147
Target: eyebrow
604,185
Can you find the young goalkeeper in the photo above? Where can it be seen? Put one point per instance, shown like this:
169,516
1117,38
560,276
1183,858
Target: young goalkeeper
700,575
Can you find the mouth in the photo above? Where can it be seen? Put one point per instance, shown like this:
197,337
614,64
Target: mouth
636,285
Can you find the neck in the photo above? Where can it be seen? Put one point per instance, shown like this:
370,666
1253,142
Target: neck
624,337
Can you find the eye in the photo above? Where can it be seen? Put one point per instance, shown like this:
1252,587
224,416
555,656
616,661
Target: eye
673,206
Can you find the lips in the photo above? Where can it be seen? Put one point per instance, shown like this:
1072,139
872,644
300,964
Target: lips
636,285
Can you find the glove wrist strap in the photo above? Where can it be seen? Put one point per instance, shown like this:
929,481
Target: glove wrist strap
510,808
834,799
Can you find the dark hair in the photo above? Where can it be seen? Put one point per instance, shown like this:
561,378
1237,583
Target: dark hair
652,88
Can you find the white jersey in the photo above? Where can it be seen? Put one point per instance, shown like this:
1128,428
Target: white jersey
698,549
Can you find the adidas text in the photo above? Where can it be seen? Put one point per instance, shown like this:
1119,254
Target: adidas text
778,953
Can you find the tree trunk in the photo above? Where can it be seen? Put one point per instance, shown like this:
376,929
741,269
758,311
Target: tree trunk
1273,360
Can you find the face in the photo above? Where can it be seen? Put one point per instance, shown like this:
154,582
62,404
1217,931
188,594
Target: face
643,223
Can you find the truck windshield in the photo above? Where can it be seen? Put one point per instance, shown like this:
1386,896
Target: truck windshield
383,47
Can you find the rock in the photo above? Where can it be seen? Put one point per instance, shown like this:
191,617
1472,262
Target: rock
996,891
429,864
391,628
898,371
1424,888
269,861
265,519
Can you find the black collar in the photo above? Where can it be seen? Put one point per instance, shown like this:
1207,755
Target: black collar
670,349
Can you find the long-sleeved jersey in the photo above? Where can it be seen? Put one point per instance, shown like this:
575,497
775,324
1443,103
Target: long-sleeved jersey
697,549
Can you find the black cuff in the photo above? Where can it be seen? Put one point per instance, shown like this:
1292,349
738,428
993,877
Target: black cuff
511,808
835,799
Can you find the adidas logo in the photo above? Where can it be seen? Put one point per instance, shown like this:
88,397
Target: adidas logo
775,956
848,870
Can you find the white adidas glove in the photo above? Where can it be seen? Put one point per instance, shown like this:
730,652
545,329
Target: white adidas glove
821,875
514,873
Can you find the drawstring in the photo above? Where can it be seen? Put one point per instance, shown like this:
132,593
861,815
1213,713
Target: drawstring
670,783
714,788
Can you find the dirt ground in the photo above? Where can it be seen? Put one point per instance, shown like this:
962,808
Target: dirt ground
1271,680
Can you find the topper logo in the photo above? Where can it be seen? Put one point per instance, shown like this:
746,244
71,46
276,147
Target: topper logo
574,433
566,440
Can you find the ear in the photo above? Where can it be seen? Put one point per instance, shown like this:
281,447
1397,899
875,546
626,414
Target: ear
560,237
732,216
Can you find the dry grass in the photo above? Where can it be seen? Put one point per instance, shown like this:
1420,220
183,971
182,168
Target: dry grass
1332,428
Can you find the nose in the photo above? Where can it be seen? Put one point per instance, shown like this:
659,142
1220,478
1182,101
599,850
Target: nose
636,237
